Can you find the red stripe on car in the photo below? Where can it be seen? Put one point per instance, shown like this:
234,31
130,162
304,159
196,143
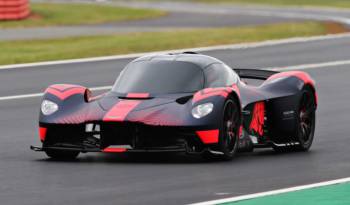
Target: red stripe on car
236,89
114,149
120,110
208,136
257,123
42,133
209,92
63,87
299,74
66,93
137,95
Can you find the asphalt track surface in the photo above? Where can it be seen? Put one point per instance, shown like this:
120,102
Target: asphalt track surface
177,19
30,178
182,15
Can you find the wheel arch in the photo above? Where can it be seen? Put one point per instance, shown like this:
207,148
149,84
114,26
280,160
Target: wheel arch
312,87
70,100
236,97
64,91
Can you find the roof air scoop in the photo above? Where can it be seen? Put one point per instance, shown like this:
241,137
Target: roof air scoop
135,96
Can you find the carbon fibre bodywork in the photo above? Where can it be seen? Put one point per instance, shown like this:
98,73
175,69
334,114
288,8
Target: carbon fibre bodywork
148,121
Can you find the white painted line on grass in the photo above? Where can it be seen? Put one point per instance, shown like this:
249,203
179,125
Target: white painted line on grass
200,49
296,67
274,192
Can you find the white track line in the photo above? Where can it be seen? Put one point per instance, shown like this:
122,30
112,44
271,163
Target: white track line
274,192
201,49
33,95
296,67
311,65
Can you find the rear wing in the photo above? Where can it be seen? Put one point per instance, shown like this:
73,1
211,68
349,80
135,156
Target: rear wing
254,73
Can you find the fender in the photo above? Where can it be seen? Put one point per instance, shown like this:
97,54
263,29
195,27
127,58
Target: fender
298,74
278,85
219,91
73,103
64,91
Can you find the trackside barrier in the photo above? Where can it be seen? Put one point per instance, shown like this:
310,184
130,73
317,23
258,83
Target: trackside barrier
14,9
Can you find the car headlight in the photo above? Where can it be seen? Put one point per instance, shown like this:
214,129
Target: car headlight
202,110
48,107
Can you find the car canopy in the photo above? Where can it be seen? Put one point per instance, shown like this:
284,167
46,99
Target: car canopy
160,77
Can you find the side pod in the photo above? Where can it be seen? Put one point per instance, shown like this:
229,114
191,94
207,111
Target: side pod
282,112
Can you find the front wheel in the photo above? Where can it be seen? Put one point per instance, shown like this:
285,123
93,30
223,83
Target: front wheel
62,154
228,132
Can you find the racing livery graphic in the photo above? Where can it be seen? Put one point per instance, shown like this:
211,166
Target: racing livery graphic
184,102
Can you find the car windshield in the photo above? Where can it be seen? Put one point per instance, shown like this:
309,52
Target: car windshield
160,77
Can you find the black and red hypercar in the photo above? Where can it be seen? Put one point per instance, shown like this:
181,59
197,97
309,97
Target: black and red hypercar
181,103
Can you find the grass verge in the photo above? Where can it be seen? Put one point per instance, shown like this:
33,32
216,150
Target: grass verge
327,195
91,46
57,14
316,3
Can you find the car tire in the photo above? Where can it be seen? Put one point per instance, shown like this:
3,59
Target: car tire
306,121
227,146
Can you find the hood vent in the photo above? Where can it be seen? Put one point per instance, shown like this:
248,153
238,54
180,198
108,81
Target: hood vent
184,100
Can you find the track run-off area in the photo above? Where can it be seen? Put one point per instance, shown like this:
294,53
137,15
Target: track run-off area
172,179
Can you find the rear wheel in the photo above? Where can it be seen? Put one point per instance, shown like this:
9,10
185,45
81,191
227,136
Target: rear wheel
228,132
306,118
62,154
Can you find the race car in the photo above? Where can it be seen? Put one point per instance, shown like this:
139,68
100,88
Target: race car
184,102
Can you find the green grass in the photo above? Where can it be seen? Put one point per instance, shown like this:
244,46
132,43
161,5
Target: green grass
328,195
54,14
79,47
323,3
